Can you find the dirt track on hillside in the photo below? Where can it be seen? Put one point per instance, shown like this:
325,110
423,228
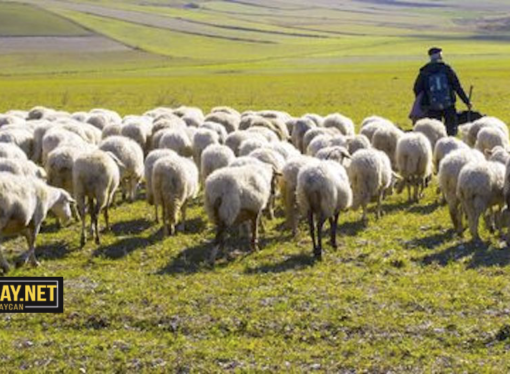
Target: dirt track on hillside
93,43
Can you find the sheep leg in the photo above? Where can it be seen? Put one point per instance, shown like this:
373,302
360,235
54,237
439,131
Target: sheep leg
318,251
31,237
270,207
473,219
408,185
218,243
311,226
156,213
333,222
106,218
82,212
254,232
183,215
3,262
95,221
364,219
133,187
165,219
380,197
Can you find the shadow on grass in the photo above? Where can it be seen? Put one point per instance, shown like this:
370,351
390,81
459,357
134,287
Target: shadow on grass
295,262
53,251
482,255
431,241
424,209
124,247
395,207
351,228
132,227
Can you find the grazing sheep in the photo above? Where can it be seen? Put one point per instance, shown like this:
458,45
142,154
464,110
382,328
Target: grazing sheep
490,137
25,203
178,141
480,187
315,118
300,128
39,112
216,127
215,157
357,142
139,131
414,162
315,132
266,133
470,130
112,129
371,124
59,166
250,145
370,175
448,175
319,142
228,120
323,191
202,139
339,122
8,150
385,139
234,140
96,177
288,187
226,109
498,154
285,149
131,156
443,147
58,137
432,129
39,131
335,153
21,137
22,167
234,195
174,182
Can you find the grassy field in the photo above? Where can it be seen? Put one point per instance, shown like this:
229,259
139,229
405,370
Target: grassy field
404,295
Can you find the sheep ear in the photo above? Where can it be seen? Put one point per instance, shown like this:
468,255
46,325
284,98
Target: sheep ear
488,153
276,172
345,154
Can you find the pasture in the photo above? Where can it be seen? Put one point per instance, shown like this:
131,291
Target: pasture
403,295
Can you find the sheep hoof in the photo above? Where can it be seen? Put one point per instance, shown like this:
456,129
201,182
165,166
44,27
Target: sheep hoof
98,241
82,242
334,245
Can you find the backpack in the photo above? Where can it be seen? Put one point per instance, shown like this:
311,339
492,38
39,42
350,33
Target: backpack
439,91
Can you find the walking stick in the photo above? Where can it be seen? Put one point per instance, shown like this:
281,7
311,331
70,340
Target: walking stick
469,97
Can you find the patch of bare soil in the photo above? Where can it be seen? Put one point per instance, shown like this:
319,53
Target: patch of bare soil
91,43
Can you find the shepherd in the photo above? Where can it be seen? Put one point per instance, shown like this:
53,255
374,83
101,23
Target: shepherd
435,89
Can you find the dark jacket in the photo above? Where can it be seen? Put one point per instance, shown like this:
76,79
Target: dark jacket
432,68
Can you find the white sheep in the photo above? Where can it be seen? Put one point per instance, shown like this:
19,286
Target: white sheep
96,177
216,127
288,187
385,139
25,203
59,166
323,191
178,141
57,137
174,182
448,175
340,122
470,130
229,121
299,128
371,176
499,154
9,150
22,137
215,157
443,147
479,188
22,167
489,137
248,146
319,142
234,195
357,142
414,162
432,129
131,156
371,124
201,140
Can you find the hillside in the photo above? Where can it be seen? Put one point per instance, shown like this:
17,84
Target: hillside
283,34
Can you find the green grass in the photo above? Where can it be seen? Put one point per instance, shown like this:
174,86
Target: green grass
27,20
404,295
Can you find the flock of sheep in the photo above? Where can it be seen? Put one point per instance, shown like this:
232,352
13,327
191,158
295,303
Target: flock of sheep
74,163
